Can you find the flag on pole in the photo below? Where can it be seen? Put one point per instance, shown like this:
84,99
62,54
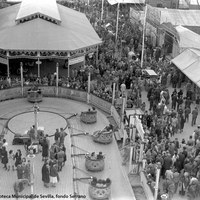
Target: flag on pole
112,2
135,16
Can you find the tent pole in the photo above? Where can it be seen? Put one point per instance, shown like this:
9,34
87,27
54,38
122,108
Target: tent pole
68,69
143,35
38,61
21,71
8,66
89,80
57,76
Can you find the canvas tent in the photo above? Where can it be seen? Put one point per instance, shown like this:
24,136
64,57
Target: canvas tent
188,38
189,63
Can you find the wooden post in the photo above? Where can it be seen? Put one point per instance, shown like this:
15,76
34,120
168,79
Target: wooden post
102,9
117,24
143,35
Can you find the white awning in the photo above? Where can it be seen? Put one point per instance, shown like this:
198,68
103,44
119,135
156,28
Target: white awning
189,63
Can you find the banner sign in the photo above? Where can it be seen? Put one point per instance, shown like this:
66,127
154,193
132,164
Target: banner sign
3,60
153,15
76,60
112,2
134,15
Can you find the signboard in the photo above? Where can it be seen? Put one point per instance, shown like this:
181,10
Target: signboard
153,15
76,60
3,61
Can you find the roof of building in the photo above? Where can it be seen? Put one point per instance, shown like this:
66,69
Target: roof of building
188,38
180,17
73,33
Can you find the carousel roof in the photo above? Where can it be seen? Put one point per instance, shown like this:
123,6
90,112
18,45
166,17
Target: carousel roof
43,34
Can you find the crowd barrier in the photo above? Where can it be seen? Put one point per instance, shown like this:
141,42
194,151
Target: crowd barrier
148,192
51,91
100,103
116,116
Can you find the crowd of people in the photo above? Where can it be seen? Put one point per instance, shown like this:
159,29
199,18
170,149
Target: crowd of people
53,156
164,117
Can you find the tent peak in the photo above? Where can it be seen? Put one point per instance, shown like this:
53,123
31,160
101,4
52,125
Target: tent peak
45,9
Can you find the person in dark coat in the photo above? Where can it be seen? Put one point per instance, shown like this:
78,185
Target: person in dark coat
63,134
182,122
18,157
54,177
167,163
57,135
46,174
45,149
4,157
20,171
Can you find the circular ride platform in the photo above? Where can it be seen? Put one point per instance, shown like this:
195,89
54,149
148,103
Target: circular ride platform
49,120
55,113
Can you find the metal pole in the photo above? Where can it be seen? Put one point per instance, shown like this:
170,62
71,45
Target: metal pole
21,71
117,24
113,94
88,94
102,9
57,76
143,35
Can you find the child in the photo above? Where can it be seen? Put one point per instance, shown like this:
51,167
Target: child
11,161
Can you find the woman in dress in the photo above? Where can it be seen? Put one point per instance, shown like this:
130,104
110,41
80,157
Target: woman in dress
4,157
11,161
18,157
46,174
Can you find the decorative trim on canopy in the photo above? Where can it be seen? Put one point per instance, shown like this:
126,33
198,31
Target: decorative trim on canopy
14,54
